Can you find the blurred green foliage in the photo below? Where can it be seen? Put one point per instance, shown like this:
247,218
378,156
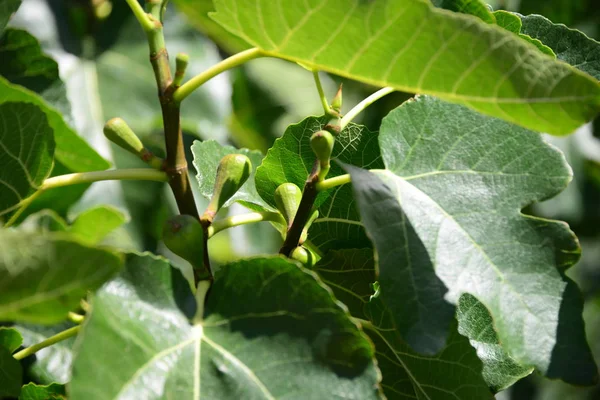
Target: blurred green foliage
251,107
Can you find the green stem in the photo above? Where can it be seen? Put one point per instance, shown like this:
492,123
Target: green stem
360,107
333,182
48,342
201,292
322,96
75,318
142,174
140,14
365,324
243,219
194,83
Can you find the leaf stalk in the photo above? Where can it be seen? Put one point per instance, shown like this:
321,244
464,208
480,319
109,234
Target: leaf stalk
59,337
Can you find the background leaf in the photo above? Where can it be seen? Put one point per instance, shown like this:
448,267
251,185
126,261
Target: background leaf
7,8
27,151
285,328
459,181
44,277
31,391
452,56
51,364
570,45
10,374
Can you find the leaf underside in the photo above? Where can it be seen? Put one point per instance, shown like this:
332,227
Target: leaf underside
420,49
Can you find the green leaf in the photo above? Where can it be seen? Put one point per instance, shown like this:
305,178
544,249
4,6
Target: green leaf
27,150
207,156
10,339
512,23
44,277
10,374
454,370
71,150
500,370
291,159
90,226
31,391
28,66
196,12
471,7
284,329
397,44
570,46
449,204
7,8
51,364
504,19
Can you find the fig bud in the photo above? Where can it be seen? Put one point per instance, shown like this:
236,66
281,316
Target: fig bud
322,145
287,199
233,171
336,103
184,236
117,131
181,62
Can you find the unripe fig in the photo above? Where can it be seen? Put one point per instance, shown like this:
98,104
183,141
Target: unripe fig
303,255
184,236
322,145
287,199
117,131
232,173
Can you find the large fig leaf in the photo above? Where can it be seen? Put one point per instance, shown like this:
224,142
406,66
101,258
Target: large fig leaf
445,218
415,47
284,336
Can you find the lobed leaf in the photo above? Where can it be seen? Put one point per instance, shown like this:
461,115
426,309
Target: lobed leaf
445,219
284,329
414,47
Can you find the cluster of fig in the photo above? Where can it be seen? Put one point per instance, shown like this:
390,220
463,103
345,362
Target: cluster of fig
186,235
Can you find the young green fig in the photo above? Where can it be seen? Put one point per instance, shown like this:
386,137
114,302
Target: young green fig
184,236
303,255
322,145
233,171
117,131
287,199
